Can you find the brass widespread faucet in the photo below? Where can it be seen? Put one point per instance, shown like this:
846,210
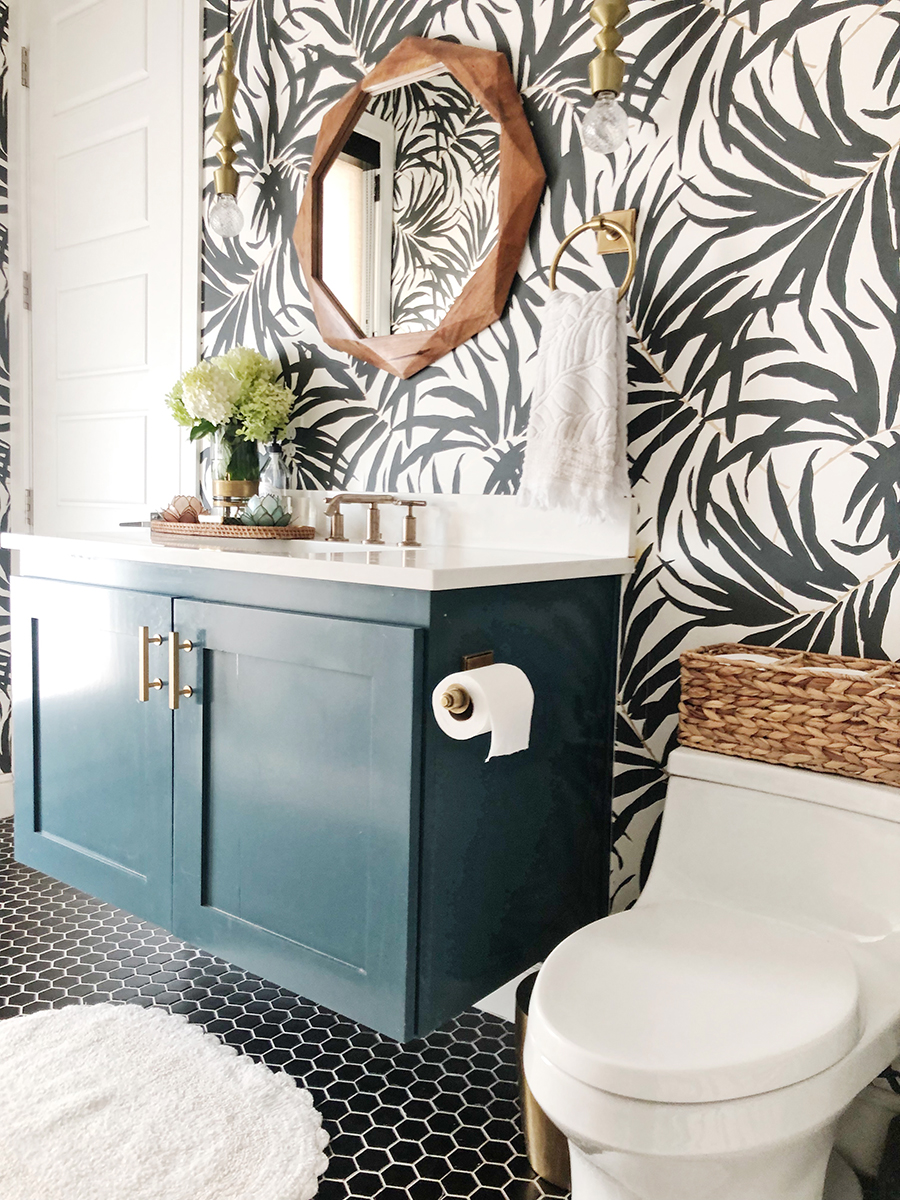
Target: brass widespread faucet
373,517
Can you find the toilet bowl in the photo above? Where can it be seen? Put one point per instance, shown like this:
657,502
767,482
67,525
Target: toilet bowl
703,1045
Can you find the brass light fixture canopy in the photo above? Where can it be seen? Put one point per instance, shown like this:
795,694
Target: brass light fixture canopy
226,131
607,70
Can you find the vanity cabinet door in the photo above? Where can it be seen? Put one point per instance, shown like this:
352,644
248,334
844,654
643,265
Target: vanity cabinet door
296,803
93,765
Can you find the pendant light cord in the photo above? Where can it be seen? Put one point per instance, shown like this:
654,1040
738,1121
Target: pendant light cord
229,16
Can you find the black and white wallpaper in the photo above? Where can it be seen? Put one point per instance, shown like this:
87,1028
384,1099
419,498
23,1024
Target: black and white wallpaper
764,365
445,195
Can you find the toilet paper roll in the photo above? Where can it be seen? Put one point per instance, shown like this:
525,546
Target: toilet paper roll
502,701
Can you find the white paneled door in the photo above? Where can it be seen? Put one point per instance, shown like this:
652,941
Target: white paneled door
112,199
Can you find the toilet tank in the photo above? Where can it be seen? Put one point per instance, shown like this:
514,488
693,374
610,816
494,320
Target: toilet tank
819,850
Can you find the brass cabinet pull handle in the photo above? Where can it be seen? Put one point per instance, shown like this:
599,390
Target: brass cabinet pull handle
145,641
175,689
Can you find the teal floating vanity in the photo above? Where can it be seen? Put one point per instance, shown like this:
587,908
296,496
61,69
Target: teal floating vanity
300,813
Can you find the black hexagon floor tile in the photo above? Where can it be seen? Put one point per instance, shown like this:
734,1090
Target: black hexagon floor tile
433,1118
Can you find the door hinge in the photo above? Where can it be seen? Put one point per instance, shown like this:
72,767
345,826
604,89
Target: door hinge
377,193
29,507
26,68
26,290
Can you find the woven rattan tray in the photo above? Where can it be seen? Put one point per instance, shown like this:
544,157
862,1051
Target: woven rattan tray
210,529
825,712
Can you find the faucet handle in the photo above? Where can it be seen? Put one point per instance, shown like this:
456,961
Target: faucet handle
336,517
409,521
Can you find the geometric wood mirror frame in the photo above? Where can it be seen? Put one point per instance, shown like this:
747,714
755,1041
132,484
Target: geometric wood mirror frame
485,74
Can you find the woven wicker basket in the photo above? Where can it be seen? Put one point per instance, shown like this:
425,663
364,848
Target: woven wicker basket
825,712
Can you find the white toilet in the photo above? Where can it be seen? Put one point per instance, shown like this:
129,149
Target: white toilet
703,1045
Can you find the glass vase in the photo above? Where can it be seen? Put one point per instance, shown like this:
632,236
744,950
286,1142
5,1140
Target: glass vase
235,471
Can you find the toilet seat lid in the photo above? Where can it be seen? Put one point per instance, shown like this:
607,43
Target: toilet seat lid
687,1002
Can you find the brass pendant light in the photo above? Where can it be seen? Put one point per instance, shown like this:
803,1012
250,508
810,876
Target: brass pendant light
606,125
225,218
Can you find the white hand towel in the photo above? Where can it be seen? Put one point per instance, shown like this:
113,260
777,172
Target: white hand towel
575,453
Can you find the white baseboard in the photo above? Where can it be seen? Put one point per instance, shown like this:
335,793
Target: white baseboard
6,796
502,1002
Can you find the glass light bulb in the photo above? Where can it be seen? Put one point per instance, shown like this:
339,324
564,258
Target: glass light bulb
225,218
605,127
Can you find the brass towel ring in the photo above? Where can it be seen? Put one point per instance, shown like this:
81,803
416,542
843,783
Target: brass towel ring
598,223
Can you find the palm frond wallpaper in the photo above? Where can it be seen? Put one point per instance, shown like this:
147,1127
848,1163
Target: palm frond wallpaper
445,194
764,369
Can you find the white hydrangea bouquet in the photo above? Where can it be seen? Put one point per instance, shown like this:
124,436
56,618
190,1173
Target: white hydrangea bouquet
236,399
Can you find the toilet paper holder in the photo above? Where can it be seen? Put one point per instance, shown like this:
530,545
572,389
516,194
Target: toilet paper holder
456,699
457,702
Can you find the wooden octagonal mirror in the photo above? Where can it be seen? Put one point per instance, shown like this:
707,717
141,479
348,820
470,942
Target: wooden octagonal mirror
423,185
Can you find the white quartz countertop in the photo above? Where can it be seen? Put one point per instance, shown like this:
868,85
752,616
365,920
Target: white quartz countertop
426,568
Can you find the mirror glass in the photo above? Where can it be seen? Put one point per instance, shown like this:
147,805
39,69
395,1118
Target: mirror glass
410,205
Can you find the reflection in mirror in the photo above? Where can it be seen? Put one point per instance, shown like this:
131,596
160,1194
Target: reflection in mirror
410,206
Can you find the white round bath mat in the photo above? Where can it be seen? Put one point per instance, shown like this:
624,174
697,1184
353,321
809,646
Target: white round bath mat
114,1100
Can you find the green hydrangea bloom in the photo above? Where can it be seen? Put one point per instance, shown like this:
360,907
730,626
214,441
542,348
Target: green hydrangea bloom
176,406
264,410
248,365
209,393
236,391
